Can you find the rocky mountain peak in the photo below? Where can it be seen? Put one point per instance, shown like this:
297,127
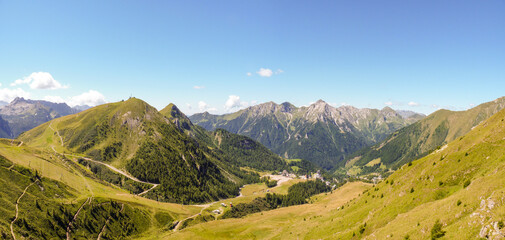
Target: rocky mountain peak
18,100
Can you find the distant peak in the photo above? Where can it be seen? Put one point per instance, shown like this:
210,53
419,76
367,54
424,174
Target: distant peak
18,99
319,104
388,109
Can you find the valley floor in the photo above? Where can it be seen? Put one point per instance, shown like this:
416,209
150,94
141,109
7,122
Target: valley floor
283,223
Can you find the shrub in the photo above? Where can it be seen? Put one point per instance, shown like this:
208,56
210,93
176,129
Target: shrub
436,231
466,183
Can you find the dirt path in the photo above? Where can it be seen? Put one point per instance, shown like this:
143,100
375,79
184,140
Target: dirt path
118,171
77,171
144,192
105,164
279,178
61,139
107,222
17,209
176,228
75,217
203,206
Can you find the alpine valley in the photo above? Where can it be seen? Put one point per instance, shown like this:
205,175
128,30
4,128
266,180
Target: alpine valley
127,170
319,133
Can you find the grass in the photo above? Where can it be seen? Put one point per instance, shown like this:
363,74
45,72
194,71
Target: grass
373,162
283,223
471,171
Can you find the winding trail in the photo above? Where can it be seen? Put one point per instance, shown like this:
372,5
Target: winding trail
105,164
203,206
78,173
17,208
51,127
75,216
107,222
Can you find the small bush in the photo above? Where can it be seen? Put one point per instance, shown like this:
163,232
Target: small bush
410,164
458,203
466,183
500,224
436,231
411,190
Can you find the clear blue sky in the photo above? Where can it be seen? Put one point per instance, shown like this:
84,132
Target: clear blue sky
363,53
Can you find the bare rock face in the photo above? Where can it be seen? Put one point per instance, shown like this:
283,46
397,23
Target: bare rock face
24,114
329,131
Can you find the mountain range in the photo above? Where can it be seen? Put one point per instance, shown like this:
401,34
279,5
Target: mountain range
456,192
320,133
422,137
24,114
189,164
95,174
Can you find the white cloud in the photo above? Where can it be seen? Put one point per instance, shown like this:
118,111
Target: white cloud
413,104
249,74
234,102
279,71
55,99
472,105
39,80
198,87
203,106
389,103
265,72
8,95
90,98
189,106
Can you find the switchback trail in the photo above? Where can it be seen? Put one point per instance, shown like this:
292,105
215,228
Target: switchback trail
75,217
105,164
107,222
17,208
61,139
203,206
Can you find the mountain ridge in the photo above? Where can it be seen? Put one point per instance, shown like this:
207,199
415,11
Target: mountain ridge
426,135
291,131
24,114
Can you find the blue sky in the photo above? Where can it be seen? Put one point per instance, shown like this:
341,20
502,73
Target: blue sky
421,55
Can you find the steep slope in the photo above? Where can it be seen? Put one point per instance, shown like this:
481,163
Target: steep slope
319,133
134,136
424,136
24,114
5,130
239,150
460,186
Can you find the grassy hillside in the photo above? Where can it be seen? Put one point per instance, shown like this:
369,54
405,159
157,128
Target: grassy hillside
134,136
459,186
189,164
240,151
422,137
51,209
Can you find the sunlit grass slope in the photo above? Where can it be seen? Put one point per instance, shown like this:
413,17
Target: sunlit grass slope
461,185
